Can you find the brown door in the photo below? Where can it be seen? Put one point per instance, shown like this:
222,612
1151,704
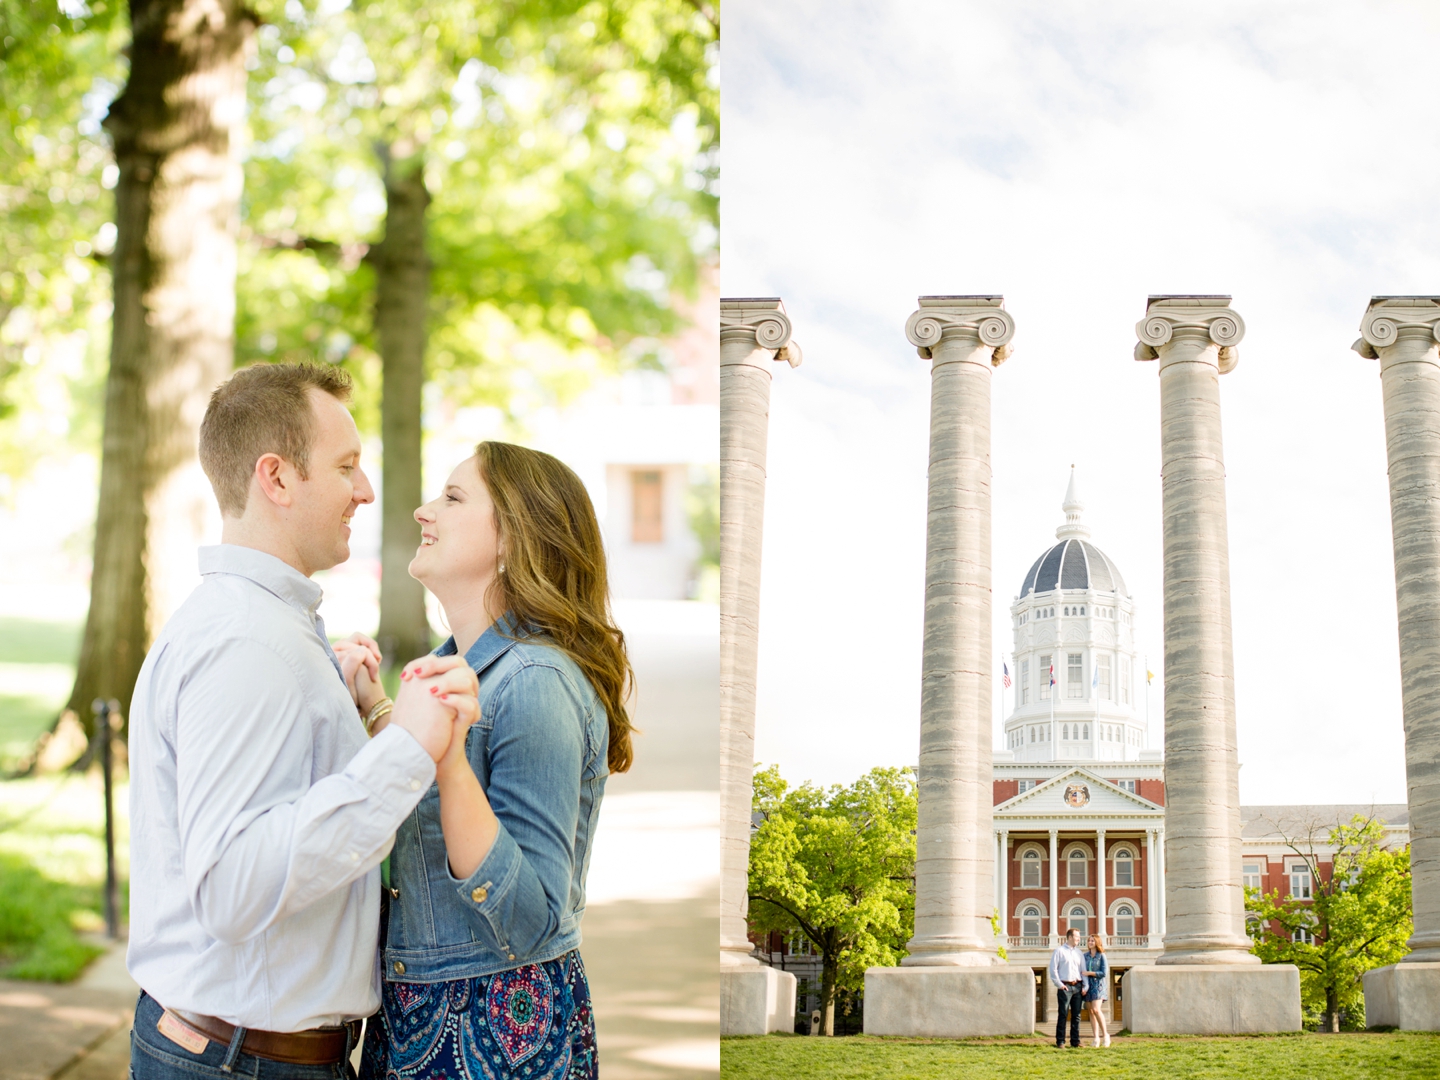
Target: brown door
1039,994
1117,997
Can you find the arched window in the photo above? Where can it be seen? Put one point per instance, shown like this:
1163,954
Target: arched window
1065,732
1030,869
1078,920
1087,732
1076,863
1082,610
1030,921
1124,868
1125,921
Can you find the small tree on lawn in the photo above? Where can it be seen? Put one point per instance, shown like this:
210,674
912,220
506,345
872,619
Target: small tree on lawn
839,867
1357,918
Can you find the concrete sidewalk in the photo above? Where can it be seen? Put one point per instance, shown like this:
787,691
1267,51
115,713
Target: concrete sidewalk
79,1031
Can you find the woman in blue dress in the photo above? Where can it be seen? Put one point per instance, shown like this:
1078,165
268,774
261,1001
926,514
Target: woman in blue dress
1097,973
479,945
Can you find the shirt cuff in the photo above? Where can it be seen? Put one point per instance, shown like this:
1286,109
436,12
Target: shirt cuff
395,767
486,890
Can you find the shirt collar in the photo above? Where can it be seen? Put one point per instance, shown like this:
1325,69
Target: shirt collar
494,641
265,570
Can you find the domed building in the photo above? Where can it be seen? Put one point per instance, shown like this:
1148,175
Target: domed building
1075,669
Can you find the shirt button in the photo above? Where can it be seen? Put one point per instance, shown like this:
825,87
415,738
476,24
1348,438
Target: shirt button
414,785
354,856
479,895
399,968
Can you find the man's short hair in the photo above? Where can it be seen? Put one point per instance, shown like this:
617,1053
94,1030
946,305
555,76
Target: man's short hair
262,409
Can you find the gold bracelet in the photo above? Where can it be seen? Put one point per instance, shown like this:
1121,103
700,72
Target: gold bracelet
377,711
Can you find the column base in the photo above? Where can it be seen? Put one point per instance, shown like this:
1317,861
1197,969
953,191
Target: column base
1219,999
756,1000
949,1002
1403,995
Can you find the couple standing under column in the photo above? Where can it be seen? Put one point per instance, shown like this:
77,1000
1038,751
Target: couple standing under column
1081,979
271,774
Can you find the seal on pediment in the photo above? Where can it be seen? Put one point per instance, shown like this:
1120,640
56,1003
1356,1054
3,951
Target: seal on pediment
1077,795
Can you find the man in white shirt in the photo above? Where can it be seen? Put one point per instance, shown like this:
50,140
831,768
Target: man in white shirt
260,809
1067,975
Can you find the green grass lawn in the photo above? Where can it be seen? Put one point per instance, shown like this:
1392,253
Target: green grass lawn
1282,1057
37,661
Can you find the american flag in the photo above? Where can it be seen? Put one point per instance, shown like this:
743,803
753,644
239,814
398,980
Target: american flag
1052,674
1006,669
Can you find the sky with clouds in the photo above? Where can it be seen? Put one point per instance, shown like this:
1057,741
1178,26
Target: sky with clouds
1076,158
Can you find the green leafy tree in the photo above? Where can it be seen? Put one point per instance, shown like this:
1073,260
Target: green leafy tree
838,866
1358,917
498,199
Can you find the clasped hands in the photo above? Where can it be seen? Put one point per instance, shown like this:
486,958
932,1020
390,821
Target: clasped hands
437,702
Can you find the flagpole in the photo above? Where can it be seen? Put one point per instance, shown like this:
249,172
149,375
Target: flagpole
1147,702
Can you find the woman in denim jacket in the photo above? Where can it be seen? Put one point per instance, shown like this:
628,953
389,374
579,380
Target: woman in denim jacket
487,879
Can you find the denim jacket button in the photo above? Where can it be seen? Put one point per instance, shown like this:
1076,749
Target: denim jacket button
399,968
511,955
479,894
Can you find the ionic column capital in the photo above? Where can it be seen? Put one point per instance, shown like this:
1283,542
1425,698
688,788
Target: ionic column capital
1388,317
1206,317
981,319
760,321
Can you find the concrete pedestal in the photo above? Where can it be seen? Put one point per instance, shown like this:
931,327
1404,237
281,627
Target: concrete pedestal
949,1002
1218,999
1406,996
756,1000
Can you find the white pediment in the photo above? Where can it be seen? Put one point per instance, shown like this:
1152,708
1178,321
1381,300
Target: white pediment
1078,793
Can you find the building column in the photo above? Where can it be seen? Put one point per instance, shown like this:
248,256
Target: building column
753,334
1160,881
1100,910
965,338
1152,934
1402,332
1195,340
1003,874
1054,888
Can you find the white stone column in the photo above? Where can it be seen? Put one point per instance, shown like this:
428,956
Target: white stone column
1152,935
753,334
1003,873
1160,881
1195,339
1054,888
1206,979
1100,912
952,983
965,338
1402,332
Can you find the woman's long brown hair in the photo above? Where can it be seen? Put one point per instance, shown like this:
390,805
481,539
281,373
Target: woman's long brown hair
553,577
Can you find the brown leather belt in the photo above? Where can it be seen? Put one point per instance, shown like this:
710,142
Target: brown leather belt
318,1046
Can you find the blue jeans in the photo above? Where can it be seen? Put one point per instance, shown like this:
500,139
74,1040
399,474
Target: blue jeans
154,1057
1069,999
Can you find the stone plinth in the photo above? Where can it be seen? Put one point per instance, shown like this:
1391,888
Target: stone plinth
949,1002
756,1000
1404,996
1212,999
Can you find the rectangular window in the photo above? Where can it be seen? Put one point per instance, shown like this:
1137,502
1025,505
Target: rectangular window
1300,881
1024,682
1103,663
1044,674
1075,677
1076,879
647,507
1026,785
1030,871
1126,785
1250,875
1123,673
1124,869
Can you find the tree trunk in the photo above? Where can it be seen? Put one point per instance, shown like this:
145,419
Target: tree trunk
402,292
175,130
1332,1011
827,995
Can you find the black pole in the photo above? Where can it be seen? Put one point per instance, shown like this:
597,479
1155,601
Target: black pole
103,711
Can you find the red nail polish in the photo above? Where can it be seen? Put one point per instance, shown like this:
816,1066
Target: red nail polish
434,689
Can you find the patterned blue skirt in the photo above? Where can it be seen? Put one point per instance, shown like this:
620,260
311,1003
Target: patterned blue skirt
532,1022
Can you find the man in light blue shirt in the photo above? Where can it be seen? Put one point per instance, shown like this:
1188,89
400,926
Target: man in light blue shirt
1067,975
260,810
